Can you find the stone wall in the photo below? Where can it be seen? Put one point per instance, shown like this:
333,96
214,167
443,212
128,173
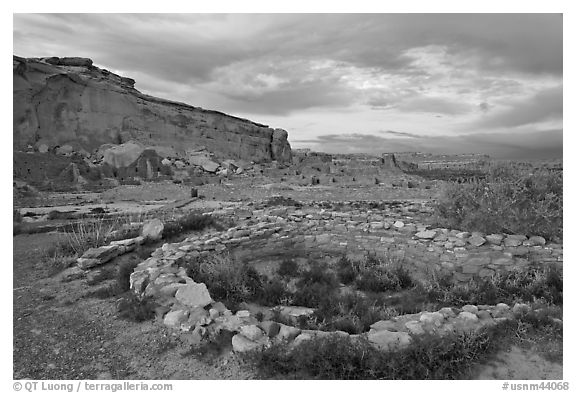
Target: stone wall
395,232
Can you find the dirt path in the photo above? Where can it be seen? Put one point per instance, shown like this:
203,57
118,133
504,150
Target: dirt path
517,364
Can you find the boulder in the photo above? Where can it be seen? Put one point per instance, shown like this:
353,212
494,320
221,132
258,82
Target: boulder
153,229
288,333
175,318
123,155
252,332
97,256
194,295
204,162
244,344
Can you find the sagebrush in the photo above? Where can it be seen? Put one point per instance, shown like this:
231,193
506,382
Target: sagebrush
507,200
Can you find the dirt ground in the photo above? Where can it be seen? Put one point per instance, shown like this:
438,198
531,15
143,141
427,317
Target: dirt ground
61,333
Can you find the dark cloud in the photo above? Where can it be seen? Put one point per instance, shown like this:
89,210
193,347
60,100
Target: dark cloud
537,144
299,96
434,105
401,134
542,106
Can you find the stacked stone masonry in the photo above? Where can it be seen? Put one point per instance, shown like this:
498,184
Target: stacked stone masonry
395,231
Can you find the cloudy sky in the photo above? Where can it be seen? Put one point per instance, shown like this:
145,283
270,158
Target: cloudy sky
442,83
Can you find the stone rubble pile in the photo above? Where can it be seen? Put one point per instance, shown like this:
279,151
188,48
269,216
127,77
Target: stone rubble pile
354,231
188,306
396,233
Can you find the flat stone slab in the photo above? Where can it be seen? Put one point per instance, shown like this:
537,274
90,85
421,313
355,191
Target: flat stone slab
194,295
388,341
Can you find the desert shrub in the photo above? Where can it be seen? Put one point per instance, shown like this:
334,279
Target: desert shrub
227,280
288,268
529,284
319,273
335,357
189,222
508,200
380,275
351,313
312,295
274,292
314,285
58,257
125,269
90,233
136,309
345,270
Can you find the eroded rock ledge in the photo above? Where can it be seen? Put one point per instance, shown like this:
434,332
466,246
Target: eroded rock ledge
60,101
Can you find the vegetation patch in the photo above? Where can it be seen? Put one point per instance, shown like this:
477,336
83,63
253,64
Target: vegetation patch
136,309
526,285
189,222
507,200
427,357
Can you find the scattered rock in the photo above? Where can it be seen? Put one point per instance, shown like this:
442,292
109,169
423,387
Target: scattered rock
535,241
398,224
514,240
194,295
243,344
97,256
476,241
153,229
495,239
428,234
435,318
175,318
467,316
251,332
470,308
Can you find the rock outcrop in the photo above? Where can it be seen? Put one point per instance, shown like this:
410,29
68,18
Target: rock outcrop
69,101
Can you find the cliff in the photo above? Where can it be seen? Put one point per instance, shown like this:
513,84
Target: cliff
61,101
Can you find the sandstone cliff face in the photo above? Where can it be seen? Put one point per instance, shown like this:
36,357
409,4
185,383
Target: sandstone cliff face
69,101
